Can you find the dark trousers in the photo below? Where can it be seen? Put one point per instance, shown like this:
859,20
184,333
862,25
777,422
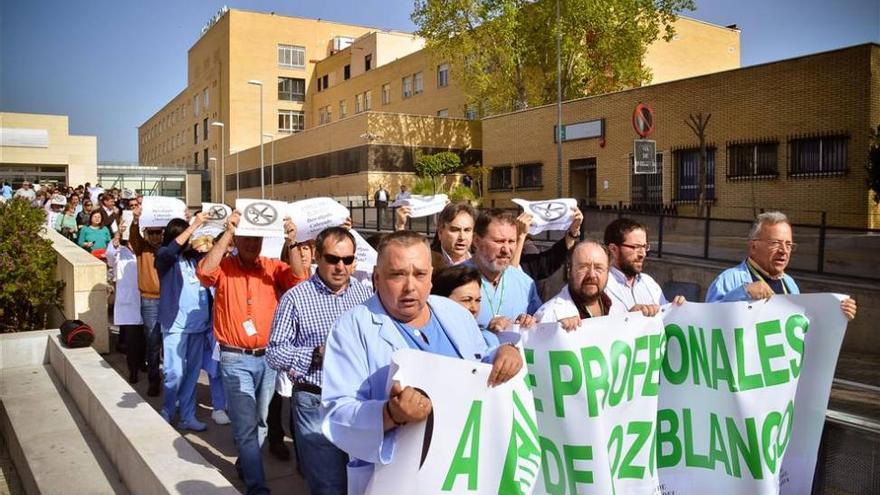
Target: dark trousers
135,347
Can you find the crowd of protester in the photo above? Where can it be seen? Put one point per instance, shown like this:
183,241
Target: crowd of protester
302,326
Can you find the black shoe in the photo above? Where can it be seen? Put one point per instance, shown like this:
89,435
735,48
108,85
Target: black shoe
279,450
153,390
133,377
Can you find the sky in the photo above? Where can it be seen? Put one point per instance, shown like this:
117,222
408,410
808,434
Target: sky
110,64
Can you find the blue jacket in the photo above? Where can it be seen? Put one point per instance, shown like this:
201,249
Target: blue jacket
730,285
356,366
172,281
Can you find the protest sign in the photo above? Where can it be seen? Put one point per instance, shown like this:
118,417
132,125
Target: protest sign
157,211
422,206
704,398
260,217
366,259
554,214
127,220
216,215
273,246
94,192
311,216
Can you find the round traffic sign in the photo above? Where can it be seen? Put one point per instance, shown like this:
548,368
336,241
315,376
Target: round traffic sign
643,120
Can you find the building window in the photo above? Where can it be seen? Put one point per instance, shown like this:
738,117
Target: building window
320,86
818,156
419,82
343,109
529,176
195,105
291,56
407,87
500,179
196,158
443,113
368,101
291,89
358,103
687,186
646,189
386,93
470,112
346,72
205,158
324,115
205,129
290,121
196,134
442,75
755,160
326,80
368,62
205,98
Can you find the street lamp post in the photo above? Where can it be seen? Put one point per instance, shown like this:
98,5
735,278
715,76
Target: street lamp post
231,151
222,160
271,164
213,173
262,161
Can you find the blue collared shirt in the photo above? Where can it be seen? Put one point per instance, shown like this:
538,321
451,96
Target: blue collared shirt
515,294
302,321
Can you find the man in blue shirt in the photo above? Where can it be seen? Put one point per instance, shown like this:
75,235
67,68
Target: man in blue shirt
362,414
6,191
762,274
509,295
296,347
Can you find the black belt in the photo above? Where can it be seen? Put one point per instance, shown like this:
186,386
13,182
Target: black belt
307,387
252,352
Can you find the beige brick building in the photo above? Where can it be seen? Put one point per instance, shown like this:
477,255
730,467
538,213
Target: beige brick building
791,135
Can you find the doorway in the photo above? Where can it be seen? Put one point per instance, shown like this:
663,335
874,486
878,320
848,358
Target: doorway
582,180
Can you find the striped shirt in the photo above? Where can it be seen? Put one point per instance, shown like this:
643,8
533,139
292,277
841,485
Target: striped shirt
302,321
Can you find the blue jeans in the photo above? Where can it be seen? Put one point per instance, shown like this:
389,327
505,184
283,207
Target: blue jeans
183,363
322,463
153,334
249,383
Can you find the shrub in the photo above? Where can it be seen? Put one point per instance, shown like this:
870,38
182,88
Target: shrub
460,192
27,268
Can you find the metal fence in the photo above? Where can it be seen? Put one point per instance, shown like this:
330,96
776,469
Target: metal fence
841,251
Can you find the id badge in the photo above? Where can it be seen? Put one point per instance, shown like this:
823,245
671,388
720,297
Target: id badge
249,328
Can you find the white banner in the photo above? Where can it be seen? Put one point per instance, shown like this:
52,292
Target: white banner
311,216
260,217
157,211
554,214
706,398
422,206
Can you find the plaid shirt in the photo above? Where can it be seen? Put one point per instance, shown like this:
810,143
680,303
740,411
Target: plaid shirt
302,321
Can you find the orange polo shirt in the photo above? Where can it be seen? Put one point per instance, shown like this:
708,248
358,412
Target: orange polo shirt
246,293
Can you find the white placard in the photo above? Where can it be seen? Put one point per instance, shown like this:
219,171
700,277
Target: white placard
216,212
364,253
260,218
551,214
127,220
272,247
311,216
422,206
94,192
157,211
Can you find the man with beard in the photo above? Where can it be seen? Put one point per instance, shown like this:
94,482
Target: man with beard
584,296
510,296
762,274
628,287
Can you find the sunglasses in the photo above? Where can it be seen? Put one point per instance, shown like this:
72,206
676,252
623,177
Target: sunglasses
333,260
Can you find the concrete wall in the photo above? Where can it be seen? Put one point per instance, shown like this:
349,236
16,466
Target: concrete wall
85,288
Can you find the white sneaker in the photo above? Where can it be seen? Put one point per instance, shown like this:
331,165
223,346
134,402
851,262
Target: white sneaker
219,416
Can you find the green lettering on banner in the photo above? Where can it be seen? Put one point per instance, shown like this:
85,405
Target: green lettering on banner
676,377
667,437
561,388
768,439
691,458
641,430
548,449
746,382
750,454
638,368
595,383
788,422
577,453
618,350
796,342
717,448
656,351
523,453
699,355
721,362
767,352
462,463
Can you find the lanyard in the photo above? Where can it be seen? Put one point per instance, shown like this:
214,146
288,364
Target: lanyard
495,310
760,276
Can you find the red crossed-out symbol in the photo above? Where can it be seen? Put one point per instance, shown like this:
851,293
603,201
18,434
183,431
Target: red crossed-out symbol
643,120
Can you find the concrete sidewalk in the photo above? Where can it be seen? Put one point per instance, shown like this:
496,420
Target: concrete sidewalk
216,444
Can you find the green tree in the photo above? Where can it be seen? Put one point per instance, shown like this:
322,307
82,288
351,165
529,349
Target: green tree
437,165
503,52
874,165
27,268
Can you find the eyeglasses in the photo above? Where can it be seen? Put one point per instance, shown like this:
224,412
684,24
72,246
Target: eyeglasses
638,247
778,245
334,260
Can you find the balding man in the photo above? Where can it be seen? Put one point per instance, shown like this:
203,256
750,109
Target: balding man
584,296
361,413
762,274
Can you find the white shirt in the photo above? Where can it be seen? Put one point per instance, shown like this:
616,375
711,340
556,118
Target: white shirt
563,306
382,195
27,194
127,308
644,290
